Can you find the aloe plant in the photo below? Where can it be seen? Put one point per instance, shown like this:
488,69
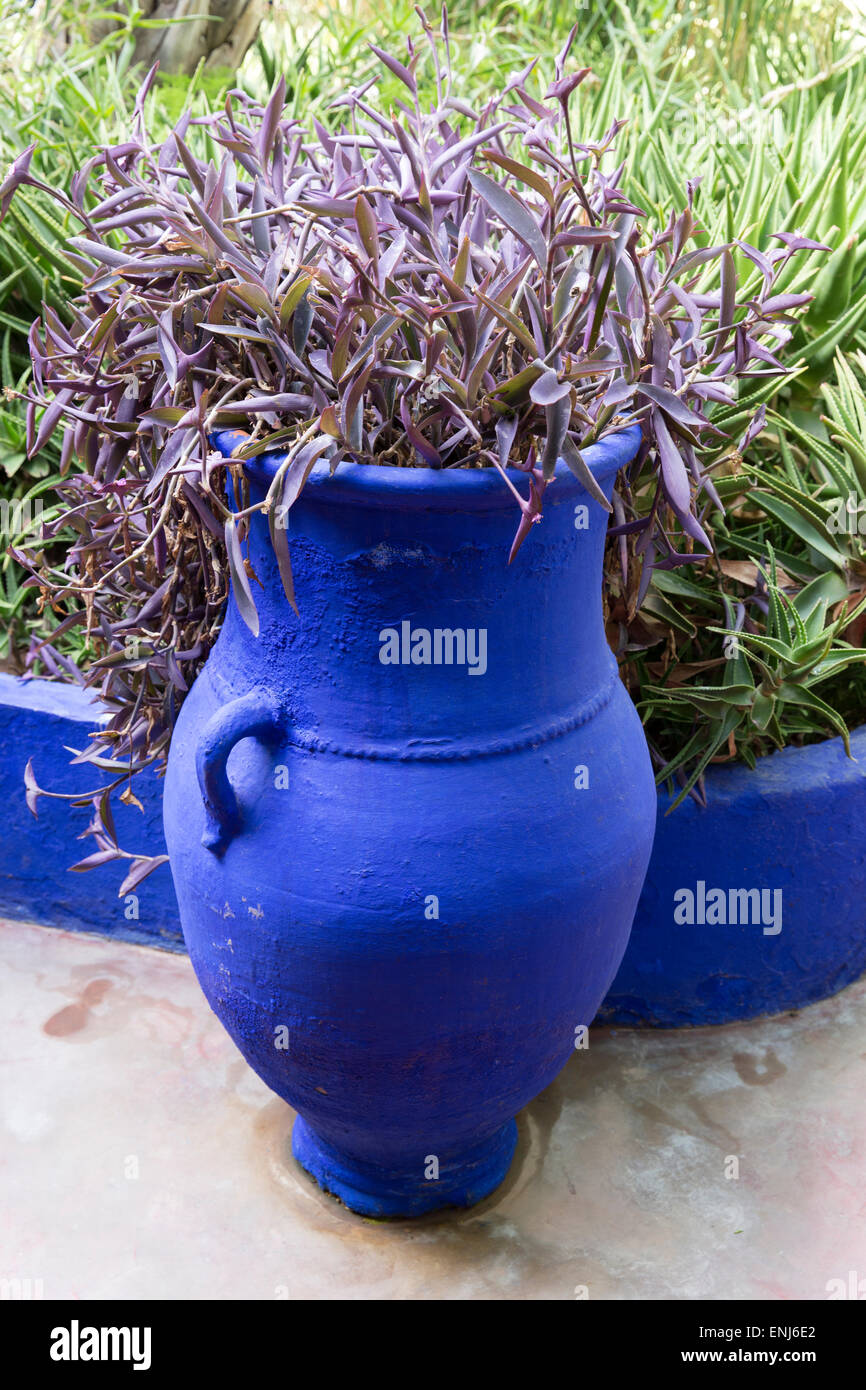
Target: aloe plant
770,677
819,494
791,545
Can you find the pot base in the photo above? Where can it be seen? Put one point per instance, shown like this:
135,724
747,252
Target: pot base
463,1179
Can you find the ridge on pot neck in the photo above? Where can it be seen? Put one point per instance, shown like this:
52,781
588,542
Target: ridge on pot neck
386,558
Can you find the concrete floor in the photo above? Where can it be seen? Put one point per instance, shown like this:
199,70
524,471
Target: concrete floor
141,1158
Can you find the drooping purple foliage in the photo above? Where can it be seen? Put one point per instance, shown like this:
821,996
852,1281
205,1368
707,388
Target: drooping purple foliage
437,287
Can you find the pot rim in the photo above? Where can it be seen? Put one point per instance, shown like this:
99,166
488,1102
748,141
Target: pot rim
794,769
431,489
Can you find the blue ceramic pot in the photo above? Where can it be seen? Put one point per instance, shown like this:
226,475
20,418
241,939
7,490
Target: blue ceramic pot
408,828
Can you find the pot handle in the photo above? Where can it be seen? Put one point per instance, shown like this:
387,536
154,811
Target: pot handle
254,715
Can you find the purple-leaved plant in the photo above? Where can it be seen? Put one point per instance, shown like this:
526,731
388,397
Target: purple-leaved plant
437,287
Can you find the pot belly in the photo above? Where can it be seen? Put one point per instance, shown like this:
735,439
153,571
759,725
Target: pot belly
404,950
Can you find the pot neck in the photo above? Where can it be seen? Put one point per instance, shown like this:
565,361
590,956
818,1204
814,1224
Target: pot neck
414,635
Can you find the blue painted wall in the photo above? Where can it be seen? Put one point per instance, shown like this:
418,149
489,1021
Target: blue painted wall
42,720
797,826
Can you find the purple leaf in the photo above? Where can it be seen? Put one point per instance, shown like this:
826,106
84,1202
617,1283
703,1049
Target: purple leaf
243,594
139,872
548,389
429,454
396,67
93,861
513,213
672,405
32,790
19,173
580,468
270,120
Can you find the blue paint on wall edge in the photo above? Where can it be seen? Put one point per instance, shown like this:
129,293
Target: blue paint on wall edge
44,720
795,825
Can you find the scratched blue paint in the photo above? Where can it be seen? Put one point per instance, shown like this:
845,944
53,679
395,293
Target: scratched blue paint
406,939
